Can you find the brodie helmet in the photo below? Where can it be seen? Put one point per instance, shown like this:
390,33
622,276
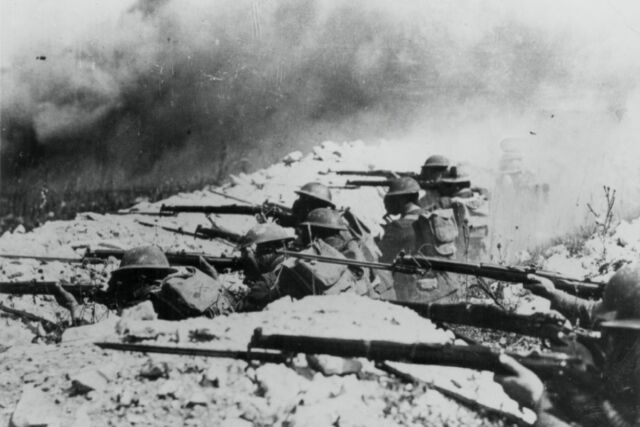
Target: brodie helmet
325,218
318,191
402,186
264,233
144,258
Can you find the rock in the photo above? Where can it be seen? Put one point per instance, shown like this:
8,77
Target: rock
96,332
331,365
34,409
236,422
82,418
280,385
292,158
215,376
88,380
169,389
197,398
141,311
258,411
126,398
154,369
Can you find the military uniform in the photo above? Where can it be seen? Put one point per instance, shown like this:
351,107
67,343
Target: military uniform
614,400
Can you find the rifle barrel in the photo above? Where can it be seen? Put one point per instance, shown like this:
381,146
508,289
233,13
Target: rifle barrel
44,288
51,258
262,356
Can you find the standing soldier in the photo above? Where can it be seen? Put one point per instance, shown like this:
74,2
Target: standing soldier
176,292
615,401
471,211
399,235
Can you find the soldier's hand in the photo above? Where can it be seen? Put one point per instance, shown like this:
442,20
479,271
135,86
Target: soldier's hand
540,286
522,385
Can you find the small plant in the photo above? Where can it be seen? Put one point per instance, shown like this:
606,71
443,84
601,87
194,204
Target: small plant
604,221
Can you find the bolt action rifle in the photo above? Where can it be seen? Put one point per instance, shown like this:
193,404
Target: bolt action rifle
33,287
407,264
182,258
276,211
546,365
385,173
543,325
200,232
355,183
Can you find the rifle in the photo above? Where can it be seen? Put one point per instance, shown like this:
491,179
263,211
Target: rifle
541,325
355,183
146,213
33,287
200,232
261,356
377,173
546,365
419,264
97,256
267,209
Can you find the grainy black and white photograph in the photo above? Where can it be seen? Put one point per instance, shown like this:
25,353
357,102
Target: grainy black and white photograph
310,213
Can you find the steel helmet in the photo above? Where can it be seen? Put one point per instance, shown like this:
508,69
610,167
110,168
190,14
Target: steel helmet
325,218
264,233
456,175
403,186
318,191
437,161
620,306
144,258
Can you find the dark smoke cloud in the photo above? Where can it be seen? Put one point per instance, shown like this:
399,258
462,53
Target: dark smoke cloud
132,91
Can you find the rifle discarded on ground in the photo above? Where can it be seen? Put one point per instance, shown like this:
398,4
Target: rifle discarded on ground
200,232
33,287
97,256
357,183
541,325
266,210
407,264
377,173
546,365
260,356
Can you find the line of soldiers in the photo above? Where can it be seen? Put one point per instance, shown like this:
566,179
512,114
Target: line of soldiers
436,224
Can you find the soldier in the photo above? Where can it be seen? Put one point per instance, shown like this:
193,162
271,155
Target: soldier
432,171
470,206
262,263
434,167
324,233
314,195
176,292
399,235
616,401
311,196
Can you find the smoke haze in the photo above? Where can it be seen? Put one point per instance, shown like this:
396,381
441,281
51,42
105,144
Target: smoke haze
120,92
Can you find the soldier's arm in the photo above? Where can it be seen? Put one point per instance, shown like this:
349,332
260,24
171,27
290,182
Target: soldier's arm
572,307
523,386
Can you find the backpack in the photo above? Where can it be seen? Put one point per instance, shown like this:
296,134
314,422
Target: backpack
191,293
436,233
